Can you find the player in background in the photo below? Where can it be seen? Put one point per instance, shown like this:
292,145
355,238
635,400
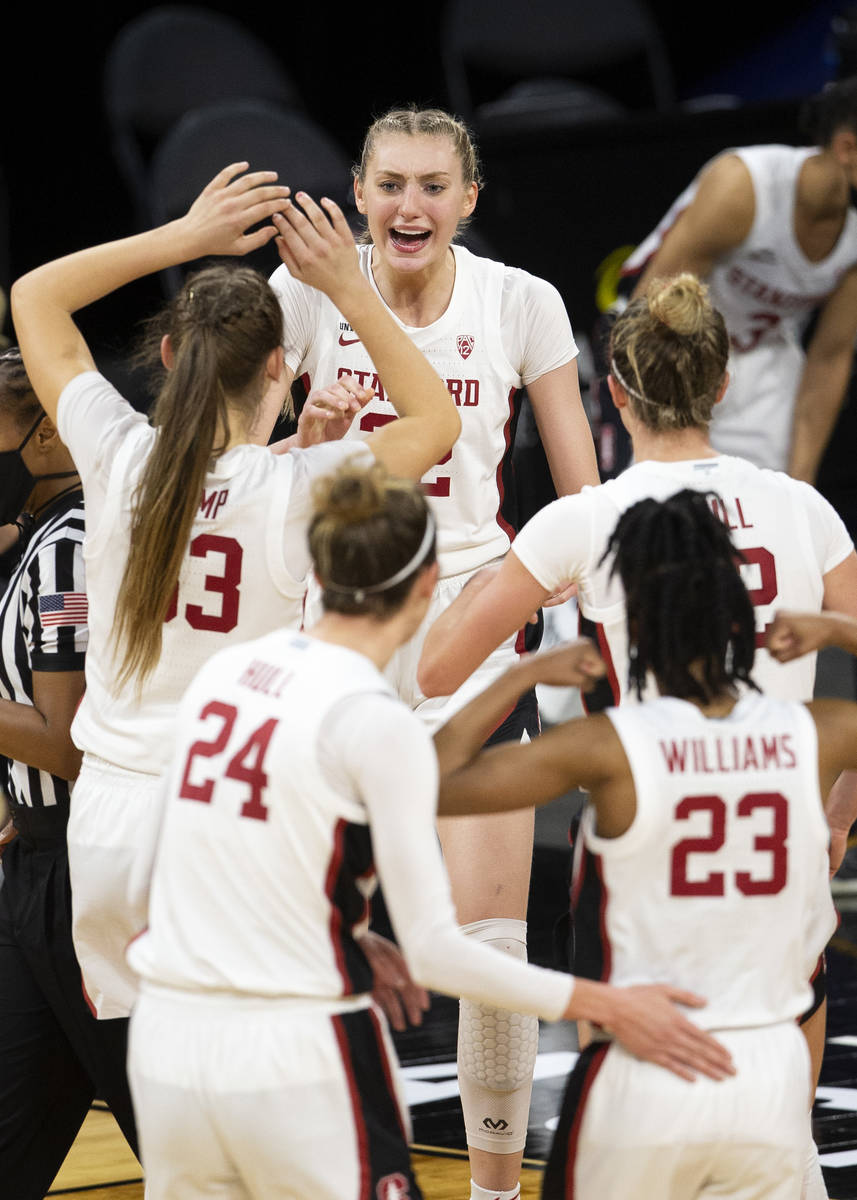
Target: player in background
773,230
259,1066
196,536
704,862
668,370
490,330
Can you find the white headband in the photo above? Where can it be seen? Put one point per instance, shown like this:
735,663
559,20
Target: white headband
360,593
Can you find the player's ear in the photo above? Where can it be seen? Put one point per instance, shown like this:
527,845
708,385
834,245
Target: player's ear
167,356
721,391
617,393
358,196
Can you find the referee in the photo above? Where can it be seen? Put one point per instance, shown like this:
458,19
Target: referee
54,1056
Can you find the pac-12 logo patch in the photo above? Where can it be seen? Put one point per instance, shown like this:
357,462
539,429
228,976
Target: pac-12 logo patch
465,343
393,1187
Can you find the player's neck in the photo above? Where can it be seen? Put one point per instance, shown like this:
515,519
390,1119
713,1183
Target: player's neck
822,205
417,298
375,639
675,446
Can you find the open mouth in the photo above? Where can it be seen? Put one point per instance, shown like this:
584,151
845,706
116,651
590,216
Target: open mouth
409,242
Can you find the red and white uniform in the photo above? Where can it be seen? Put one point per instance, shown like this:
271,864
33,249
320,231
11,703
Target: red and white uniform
720,886
503,329
789,534
767,289
244,574
291,761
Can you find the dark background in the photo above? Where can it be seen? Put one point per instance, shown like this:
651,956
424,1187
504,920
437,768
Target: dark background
555,203
351,61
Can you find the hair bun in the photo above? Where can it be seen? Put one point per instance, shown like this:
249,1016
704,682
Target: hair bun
680,303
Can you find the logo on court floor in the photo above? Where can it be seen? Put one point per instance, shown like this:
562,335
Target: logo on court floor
465,343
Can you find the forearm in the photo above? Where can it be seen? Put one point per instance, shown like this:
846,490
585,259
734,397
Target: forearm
30,737
817,406
71,283
841,805
463,736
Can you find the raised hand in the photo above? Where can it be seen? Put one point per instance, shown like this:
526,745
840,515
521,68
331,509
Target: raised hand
317,245
218,220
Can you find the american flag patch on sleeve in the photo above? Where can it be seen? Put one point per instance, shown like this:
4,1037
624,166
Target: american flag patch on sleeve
63,608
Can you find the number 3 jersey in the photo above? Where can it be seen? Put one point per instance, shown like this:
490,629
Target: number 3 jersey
244,573
720,885
767,289
789,535
503,329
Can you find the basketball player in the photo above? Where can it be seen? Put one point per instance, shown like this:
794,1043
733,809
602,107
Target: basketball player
704,862
196,537
259,1067
490,330
668,356
773,230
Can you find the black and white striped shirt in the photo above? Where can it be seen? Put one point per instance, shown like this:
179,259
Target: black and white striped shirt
43,628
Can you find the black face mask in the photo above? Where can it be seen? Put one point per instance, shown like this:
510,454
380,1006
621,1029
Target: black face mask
17,481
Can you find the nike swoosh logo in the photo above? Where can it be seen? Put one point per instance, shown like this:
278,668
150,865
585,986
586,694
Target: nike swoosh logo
344,341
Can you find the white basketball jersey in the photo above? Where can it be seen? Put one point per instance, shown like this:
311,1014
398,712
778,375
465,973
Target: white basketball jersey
234,584
466,489
789,535
246,785
766,288
720,885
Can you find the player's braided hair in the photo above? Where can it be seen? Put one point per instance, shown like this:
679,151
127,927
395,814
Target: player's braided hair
832,109
690,619
17,397
429,122
223,324
367,526
669,350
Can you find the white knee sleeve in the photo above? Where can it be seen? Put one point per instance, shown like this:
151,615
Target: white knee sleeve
496,1055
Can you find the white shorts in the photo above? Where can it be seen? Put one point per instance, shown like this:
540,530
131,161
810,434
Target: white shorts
241,1097
629,1128
754,418
112,834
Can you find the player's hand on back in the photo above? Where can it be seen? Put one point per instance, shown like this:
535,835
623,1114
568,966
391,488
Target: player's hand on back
402,1001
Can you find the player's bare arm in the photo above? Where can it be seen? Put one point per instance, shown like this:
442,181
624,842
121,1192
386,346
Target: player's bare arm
564,429
43,300
577,664
717,220
581,753
791,634
824,380
475,624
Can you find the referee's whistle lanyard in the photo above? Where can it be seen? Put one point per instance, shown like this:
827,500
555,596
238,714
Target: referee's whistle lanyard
17,480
